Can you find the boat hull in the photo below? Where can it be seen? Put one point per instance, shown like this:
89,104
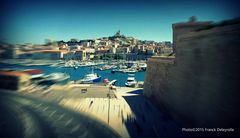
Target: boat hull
130,85
98,79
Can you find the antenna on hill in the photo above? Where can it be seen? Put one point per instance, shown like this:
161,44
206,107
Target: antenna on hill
118,33
193,19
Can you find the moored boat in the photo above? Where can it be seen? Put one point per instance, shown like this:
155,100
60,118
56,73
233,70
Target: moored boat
131,81
91,78
106,67
143,66
55,78
129,70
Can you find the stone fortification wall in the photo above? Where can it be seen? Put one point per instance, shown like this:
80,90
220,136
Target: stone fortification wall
200,87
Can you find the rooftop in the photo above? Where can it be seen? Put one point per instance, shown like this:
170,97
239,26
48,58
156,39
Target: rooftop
12,73
51,51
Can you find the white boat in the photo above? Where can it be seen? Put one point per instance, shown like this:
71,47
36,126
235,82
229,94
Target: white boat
129,70
75,67
106,67
54,65
55,78
91,78
123,67
131,81
143,66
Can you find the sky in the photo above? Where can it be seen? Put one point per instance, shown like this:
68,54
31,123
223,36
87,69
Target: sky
25,21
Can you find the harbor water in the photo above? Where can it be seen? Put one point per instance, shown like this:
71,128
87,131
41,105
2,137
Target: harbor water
77,74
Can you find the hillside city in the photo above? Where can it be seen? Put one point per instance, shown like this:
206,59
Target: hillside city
115,47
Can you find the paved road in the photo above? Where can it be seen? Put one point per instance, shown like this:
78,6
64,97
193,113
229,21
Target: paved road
129,113
23,116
